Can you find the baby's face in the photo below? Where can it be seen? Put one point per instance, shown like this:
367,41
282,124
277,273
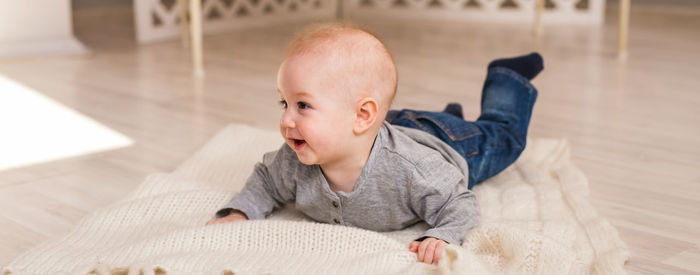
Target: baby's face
318,114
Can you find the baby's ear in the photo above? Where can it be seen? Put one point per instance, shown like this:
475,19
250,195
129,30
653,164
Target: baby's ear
365,115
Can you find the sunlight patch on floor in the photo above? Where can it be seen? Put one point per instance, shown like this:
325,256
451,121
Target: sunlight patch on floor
35,129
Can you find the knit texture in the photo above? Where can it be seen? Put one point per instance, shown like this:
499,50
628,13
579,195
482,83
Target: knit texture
536,220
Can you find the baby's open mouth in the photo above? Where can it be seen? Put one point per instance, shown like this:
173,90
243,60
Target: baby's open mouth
298,143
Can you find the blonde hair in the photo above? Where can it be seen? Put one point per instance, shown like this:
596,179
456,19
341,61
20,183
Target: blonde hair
367,55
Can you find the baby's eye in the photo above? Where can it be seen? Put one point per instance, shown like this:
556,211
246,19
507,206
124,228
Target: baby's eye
283,103
303,105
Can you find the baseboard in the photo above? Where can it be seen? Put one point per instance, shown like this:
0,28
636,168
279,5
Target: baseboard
42,47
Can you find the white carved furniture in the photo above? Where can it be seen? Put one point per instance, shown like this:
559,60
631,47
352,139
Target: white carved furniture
555,11
158,19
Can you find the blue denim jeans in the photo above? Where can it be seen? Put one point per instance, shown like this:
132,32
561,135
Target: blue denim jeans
495,140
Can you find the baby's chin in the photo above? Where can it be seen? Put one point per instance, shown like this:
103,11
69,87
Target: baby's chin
305,160
303,157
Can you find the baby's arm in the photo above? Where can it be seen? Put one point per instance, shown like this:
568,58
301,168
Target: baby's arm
450,215
441,198
265,190
450,221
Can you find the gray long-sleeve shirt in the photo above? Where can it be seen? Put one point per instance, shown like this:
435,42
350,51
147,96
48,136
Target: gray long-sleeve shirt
409,176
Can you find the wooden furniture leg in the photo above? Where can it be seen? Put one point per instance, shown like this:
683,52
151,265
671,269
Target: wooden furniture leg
537,24
623,29
196,33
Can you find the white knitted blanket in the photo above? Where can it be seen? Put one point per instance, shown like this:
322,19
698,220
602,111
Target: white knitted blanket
536,220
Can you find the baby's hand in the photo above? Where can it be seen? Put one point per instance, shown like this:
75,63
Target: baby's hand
429,250
233,217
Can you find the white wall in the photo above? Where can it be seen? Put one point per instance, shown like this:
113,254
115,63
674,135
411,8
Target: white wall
37,27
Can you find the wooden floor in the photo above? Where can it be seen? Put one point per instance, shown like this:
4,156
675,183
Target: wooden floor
634,126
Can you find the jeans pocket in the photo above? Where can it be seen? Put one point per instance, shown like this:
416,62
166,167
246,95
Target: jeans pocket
463,136
456,129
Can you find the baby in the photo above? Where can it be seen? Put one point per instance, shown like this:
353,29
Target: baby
345,163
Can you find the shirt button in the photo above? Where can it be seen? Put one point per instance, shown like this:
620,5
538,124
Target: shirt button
335,204
336,221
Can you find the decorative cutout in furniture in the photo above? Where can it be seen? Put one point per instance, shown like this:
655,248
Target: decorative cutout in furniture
555,11
158,19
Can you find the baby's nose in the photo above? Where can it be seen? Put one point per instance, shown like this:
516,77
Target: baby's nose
286,121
